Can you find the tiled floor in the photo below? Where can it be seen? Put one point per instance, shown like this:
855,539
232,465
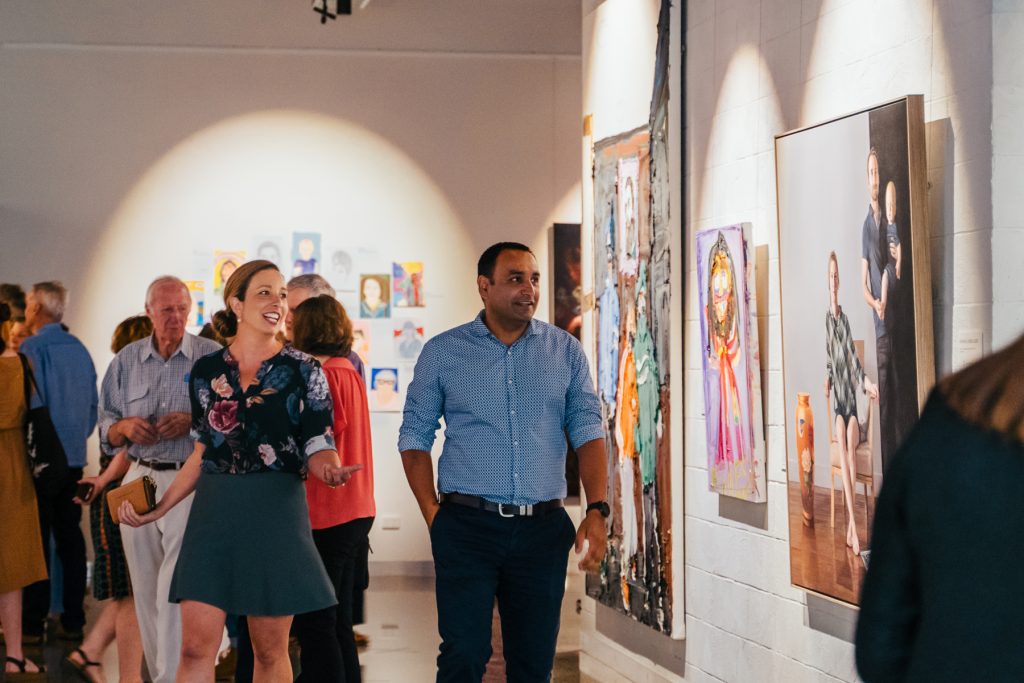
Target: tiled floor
402,626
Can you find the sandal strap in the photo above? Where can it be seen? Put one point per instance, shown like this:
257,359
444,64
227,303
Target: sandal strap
22,664
86,661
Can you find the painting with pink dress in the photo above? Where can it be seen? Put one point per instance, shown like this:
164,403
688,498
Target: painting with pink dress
731,363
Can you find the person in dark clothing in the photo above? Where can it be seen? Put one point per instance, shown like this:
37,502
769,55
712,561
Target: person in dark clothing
942,598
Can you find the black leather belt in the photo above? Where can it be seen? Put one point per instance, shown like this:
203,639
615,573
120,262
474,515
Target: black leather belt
157,466
503,509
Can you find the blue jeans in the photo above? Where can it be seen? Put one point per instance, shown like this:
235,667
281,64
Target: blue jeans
521,561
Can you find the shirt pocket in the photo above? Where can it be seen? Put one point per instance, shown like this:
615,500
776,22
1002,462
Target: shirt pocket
137,401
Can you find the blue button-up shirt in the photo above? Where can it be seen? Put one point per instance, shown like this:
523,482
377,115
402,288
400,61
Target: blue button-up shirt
507,410
66,379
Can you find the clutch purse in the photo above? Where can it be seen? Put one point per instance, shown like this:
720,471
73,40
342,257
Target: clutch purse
141,493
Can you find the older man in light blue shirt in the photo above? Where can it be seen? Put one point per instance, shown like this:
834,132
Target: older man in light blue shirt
147,415
510,389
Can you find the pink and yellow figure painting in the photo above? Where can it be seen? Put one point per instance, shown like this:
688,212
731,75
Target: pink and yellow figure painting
731,362
224,264
407,280
197,292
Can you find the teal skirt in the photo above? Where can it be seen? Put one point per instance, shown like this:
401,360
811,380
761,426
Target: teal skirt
248,548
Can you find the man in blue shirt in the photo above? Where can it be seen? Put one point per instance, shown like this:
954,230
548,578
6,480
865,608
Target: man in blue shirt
510,389
66,379
874,257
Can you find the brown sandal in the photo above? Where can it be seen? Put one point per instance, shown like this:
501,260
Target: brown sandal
82,669
21,674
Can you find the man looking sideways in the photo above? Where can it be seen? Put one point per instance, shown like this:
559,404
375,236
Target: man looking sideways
511,389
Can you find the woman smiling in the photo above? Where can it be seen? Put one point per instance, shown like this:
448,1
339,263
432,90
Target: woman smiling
261,418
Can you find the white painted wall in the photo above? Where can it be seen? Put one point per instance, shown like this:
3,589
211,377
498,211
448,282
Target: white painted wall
757,68
139,138
1007,170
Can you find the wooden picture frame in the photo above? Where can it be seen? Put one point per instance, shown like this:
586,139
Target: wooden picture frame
855,295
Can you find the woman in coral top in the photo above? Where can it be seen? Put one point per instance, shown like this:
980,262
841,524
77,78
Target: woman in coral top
341,517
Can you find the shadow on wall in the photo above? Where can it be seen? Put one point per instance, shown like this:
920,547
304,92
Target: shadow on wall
940,227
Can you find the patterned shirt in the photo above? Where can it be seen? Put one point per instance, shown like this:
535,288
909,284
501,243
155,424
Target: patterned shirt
66,379
140,383
842,363
507,410
276,424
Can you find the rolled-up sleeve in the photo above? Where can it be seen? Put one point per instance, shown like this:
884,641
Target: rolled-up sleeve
316,416
583,418
111,407
424,402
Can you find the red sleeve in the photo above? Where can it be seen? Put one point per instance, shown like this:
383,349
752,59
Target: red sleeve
338,381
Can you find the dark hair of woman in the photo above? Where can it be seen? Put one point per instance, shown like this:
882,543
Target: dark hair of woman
990,393
130,330
225,322
207,332
321,327
5,315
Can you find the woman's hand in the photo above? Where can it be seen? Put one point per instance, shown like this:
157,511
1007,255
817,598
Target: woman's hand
871,389
129,516
326,466
336,475
97,484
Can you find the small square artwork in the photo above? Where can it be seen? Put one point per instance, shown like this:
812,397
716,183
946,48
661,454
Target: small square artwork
305,253
224,264
197,292
407,278
375,296
385,391
408,338
361,340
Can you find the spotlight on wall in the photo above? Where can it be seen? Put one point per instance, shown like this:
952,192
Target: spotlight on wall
323,8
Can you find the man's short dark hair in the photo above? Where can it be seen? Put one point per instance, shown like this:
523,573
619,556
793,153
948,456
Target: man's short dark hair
485,266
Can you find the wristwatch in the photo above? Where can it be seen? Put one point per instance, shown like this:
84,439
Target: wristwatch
601,506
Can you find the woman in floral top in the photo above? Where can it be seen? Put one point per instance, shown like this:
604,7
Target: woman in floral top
263,411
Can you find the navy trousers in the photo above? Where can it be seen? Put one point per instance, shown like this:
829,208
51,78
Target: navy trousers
521,561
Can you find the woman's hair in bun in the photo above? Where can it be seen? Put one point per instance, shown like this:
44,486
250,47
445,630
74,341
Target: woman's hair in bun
225,322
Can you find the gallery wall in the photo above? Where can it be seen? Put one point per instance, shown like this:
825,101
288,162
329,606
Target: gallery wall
754,70
138,140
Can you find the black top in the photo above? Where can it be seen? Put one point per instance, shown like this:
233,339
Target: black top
284,416
944,594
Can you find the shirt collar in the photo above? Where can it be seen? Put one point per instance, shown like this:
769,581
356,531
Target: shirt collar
479,328
185,348
50,328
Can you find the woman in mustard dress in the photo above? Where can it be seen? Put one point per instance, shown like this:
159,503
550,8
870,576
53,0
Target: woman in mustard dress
21,544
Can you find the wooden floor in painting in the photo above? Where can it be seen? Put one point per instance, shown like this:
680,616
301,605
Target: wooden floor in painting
819,557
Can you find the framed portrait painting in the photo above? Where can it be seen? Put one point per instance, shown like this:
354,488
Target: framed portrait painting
731,363
857,345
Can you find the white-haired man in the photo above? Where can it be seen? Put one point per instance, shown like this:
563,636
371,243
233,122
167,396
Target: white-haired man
145,408
66,379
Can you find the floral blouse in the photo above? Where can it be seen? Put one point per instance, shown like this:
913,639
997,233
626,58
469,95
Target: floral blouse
284,416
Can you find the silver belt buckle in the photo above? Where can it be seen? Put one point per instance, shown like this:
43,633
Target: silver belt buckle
524,510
